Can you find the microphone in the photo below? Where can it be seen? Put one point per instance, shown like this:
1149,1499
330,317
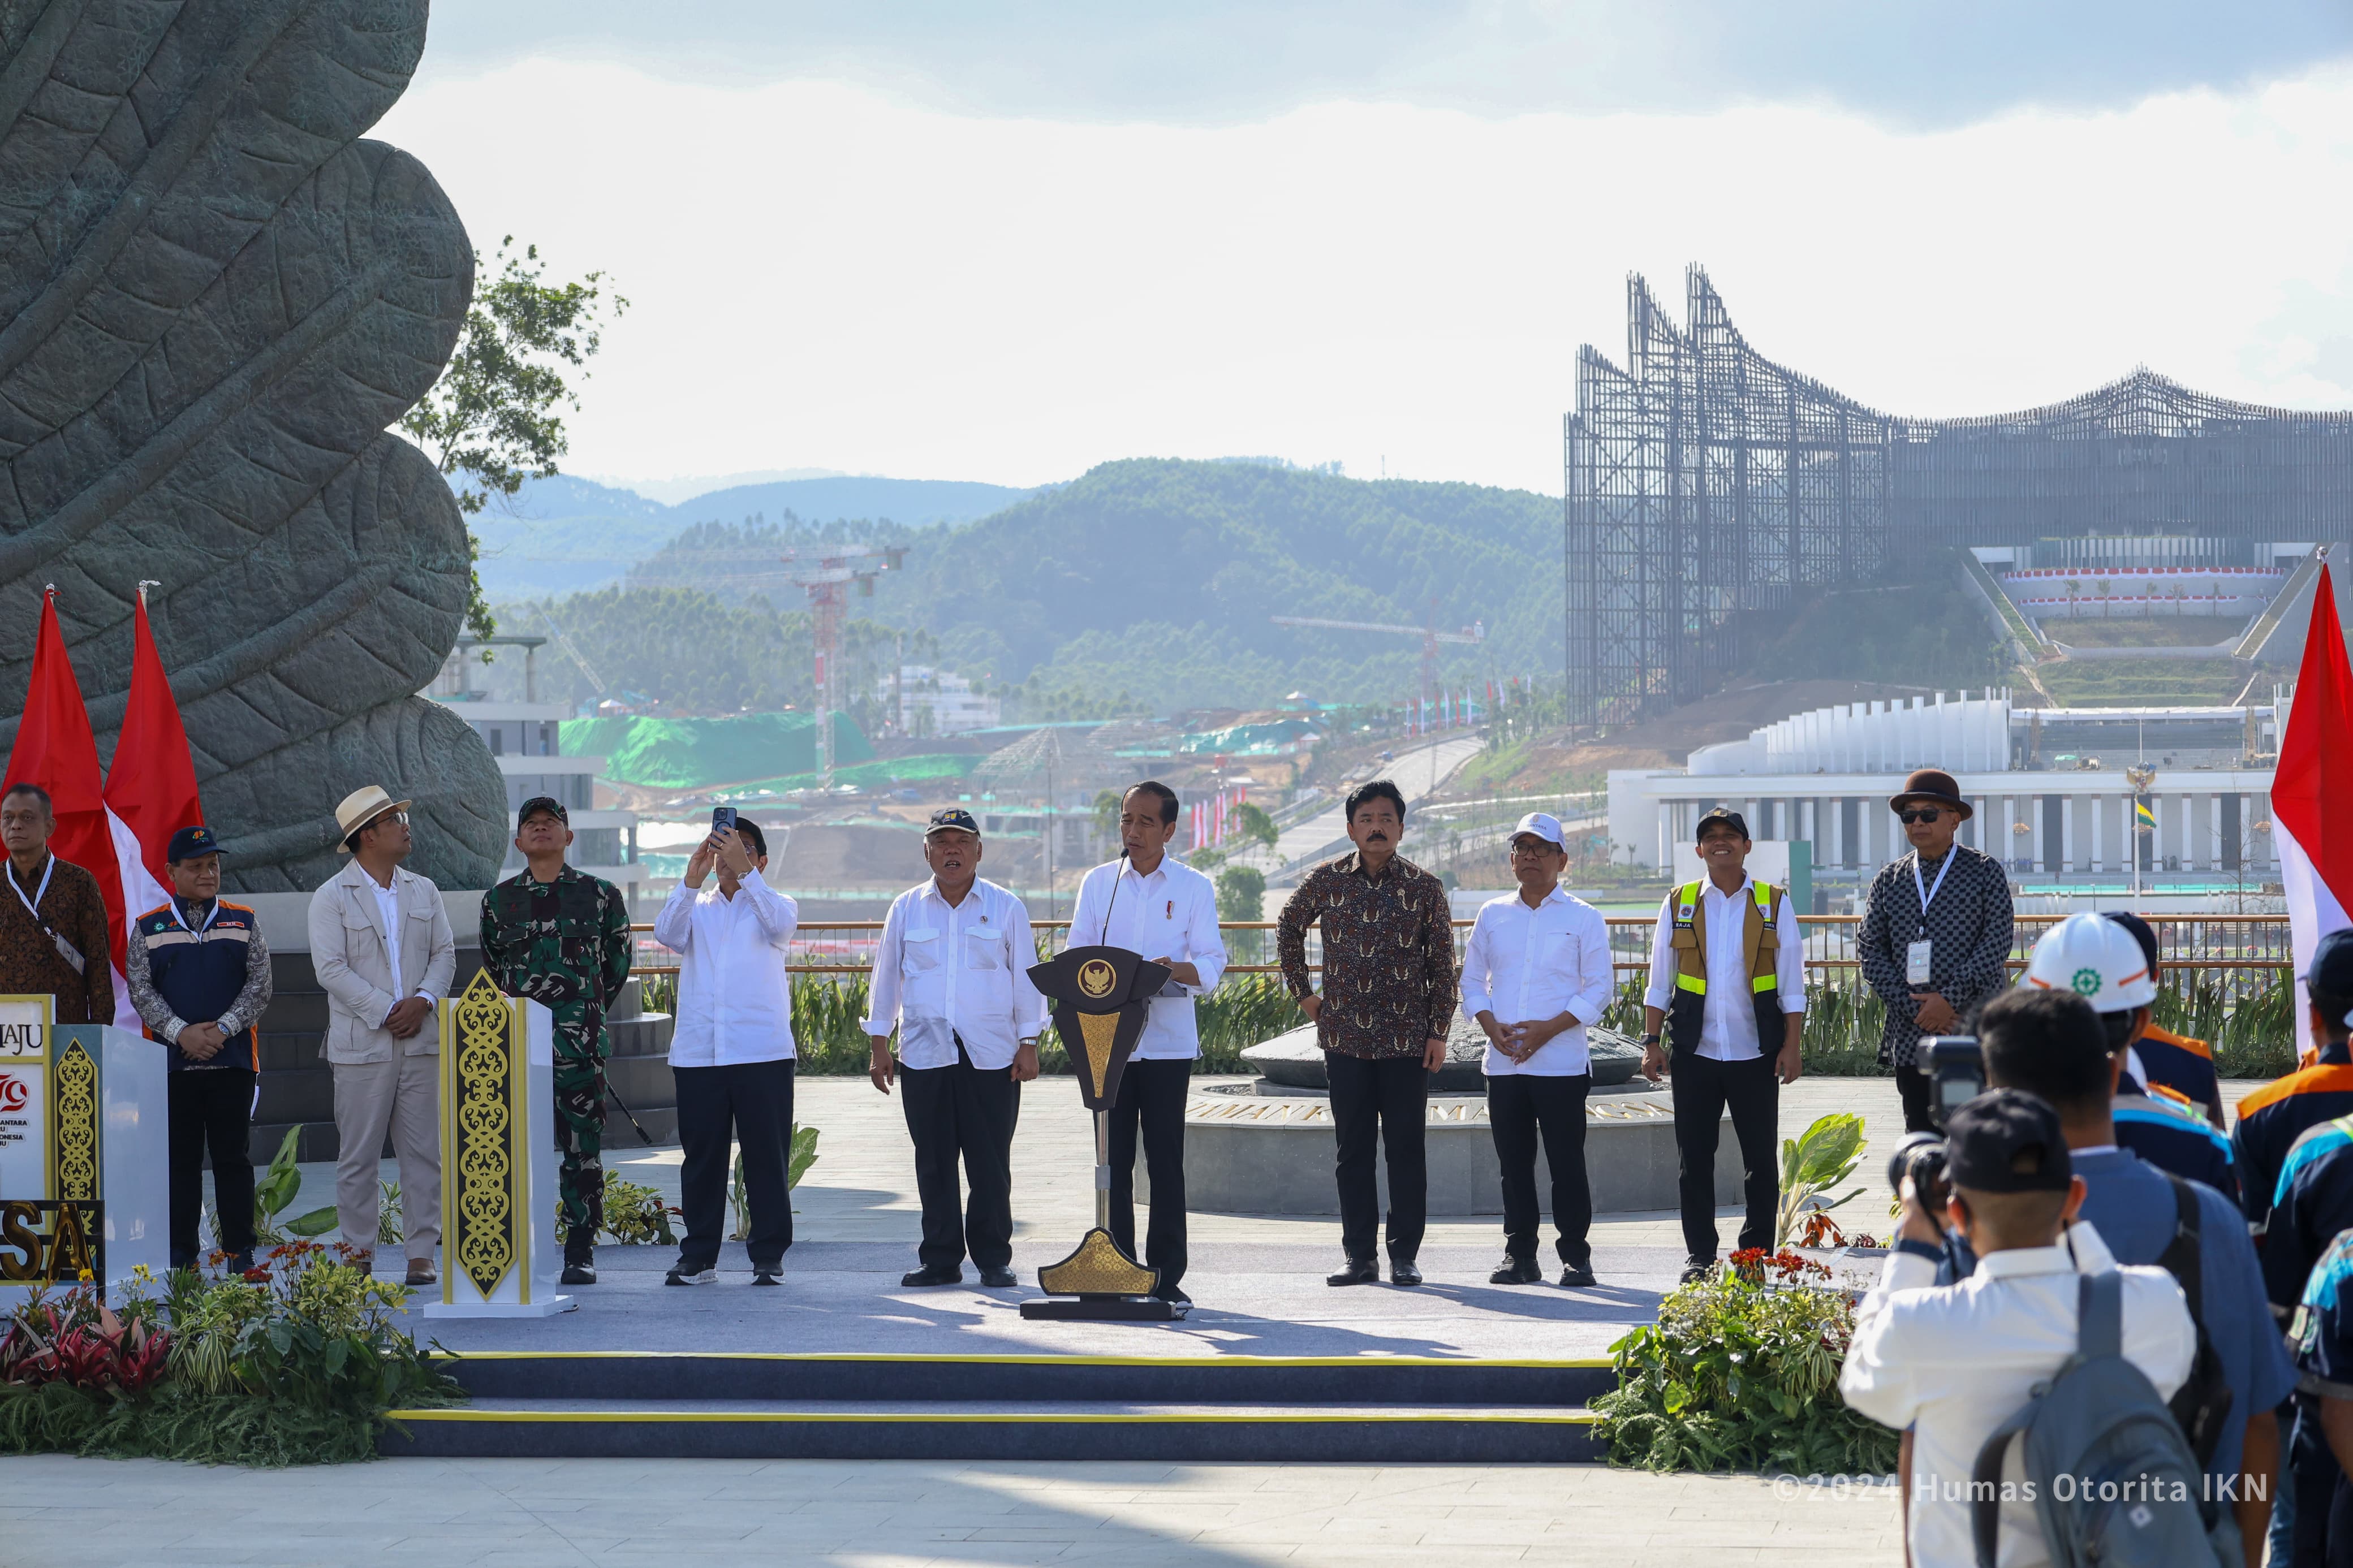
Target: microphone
1113,901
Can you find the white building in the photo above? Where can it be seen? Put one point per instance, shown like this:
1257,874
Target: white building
935,702
527,739
2053,802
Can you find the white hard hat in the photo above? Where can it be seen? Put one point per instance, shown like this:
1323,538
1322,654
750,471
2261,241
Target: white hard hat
1543,824
2096,959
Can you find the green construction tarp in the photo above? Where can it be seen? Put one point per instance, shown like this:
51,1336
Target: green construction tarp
695,753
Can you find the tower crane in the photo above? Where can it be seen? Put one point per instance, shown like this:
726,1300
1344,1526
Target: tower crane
1431,638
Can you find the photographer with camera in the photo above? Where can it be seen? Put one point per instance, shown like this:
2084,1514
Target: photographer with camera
1951,1364
2050,1043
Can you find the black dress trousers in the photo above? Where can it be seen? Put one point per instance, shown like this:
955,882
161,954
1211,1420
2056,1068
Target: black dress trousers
1704,1088
750,1103
962,1111
1152,1096
1521,1107
211,1109
1390,1095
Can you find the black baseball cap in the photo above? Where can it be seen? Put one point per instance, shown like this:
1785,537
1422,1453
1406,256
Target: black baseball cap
2330,972
543,803
1724,814
2141,933
190,842
2007,1141
953,816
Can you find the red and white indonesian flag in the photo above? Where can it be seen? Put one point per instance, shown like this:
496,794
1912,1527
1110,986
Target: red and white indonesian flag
2312,795
117,830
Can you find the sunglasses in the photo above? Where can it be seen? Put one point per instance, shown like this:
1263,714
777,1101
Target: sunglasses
1920,814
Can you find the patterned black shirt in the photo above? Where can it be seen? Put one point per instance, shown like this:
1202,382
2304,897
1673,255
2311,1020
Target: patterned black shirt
1969,925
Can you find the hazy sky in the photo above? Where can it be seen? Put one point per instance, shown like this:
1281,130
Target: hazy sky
1009,242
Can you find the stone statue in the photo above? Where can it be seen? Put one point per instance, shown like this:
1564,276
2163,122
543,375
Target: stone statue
214,301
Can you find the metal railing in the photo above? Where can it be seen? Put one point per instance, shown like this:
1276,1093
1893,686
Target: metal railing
2234,942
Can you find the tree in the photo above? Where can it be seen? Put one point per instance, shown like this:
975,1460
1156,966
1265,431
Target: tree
1241,893
1107,813
1255,826
492,416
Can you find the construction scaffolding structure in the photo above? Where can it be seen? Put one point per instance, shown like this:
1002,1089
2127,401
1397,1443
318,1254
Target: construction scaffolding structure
1704,479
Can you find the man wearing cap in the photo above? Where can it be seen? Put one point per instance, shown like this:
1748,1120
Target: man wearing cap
2049,1041
1946,1365
199,975
1936,933
952,976
383,952
2271,1118
53,937
562,938
1535,971
1729,982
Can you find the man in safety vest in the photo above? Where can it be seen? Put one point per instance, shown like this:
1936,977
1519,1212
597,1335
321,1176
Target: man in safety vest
1728,982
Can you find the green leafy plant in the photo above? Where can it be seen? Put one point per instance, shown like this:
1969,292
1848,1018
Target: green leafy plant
388,1229
1741,1373
1813,1162
275,1190
635,1215
295,1361
801,1156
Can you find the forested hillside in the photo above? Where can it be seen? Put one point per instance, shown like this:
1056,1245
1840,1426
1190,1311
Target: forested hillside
1153,578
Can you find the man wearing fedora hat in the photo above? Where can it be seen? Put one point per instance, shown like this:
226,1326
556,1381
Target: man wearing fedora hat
383,950
1936,930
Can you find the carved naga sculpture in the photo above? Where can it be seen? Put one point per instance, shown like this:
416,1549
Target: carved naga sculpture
214,301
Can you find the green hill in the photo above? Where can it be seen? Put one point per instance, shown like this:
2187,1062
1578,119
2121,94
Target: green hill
1160,578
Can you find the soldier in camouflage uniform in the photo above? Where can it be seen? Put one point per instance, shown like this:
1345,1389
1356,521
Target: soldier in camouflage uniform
562,938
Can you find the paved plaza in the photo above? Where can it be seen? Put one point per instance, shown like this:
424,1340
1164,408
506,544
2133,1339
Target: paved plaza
857,1217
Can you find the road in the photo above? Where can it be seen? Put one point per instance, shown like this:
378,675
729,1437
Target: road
1418,773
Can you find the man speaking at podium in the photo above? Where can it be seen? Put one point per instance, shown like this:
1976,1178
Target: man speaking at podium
1167,912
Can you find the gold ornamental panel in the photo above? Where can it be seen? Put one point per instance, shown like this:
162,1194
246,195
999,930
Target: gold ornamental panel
1097,1268
76,1086
1099,1030
483,1081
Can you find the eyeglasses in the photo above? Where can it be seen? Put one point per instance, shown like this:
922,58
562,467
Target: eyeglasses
1922,813
1536,850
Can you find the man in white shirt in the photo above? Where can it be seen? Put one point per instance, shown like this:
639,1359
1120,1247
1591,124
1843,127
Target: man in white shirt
1946,1365
1147,904
1535,971
951,974
1728,979
731,1049
383,952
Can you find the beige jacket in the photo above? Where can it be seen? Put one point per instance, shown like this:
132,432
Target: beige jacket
348,951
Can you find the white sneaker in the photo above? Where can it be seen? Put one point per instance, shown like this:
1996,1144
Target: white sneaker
680,1276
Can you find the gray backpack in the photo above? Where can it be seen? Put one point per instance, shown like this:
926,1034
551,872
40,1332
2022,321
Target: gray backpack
2115,1482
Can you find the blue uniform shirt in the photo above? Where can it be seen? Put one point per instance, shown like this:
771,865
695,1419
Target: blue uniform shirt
2322,1329
2311,1204
2172,1137
2271,1118
2130,1204
2181,1064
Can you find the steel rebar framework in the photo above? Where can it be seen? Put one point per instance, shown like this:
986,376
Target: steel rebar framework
1704,479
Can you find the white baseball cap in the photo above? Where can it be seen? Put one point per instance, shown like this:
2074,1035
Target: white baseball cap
1543,825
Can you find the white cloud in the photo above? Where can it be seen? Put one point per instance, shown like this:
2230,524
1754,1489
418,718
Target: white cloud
822,275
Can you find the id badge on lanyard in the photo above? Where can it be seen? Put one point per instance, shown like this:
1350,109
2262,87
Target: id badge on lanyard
1915,954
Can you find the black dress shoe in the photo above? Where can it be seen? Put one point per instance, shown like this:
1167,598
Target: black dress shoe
1359,1271
926,1277
1403,1272
1695,1270
1172,1293
766,1277
578,1274
1516,1271
1577,1274
999,1279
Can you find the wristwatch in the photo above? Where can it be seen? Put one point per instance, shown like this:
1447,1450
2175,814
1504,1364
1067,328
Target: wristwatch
1650,1039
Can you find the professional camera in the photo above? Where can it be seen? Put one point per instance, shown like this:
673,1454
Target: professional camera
1956,1073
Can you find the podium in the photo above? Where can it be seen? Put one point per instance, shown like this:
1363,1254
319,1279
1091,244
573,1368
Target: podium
496,1070
85,1131
1100,995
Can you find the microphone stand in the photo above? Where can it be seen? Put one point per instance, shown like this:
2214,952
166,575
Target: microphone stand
1102,1118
